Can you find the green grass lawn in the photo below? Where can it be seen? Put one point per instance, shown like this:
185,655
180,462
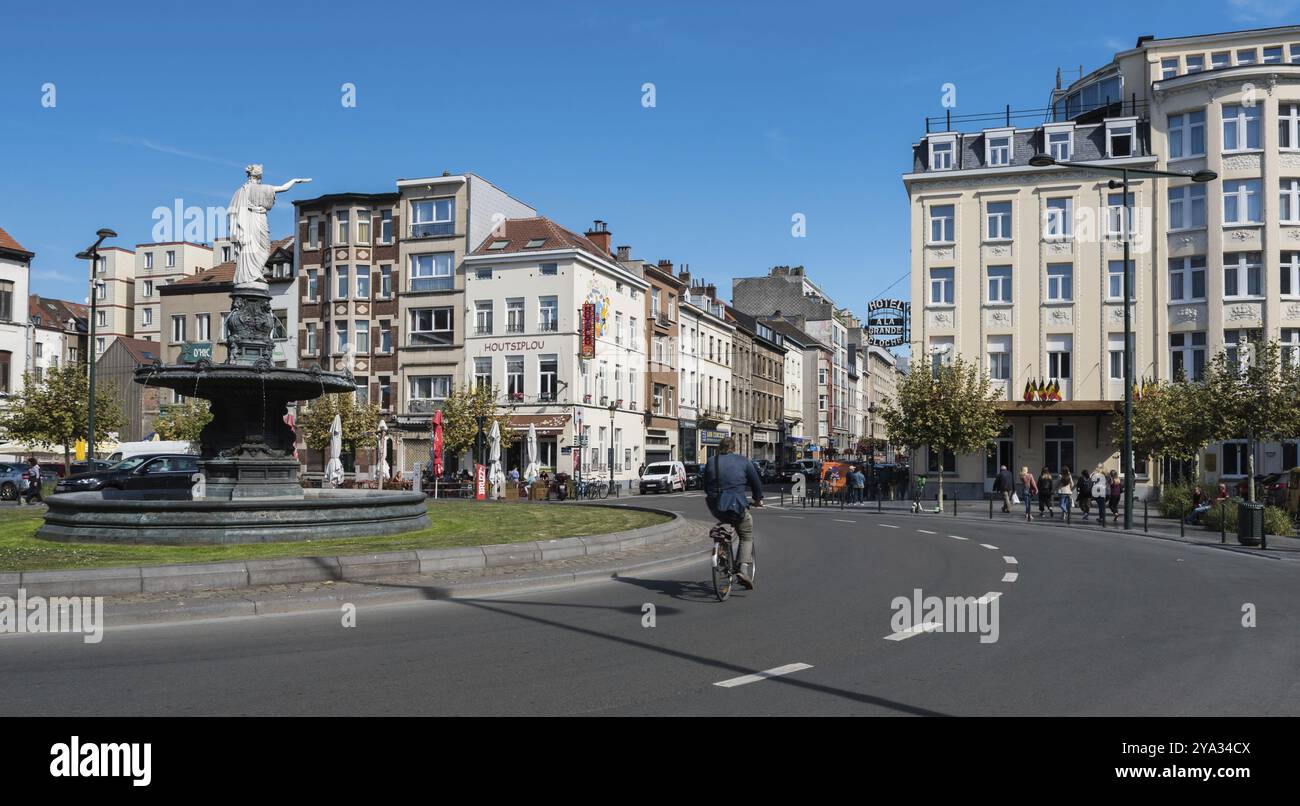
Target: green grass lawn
455,523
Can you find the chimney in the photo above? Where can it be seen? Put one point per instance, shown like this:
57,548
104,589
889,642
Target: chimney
599,235
711,291
666,266
625,253
685,274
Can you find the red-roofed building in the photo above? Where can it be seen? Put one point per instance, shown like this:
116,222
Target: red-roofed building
15,269
527,285
58,333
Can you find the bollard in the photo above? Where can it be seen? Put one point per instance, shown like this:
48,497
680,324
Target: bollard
1182,525
990,509
880,505
1223,523
1146,512
1069,510
954,506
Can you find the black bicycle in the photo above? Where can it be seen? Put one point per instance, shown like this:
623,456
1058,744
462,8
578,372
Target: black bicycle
725,566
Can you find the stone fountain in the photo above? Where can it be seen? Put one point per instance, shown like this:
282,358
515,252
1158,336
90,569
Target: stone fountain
249,480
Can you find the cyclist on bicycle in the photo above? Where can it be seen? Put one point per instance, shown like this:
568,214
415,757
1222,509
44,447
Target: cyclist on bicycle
726,477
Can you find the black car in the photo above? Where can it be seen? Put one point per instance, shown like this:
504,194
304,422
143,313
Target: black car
694,476
766,470
167,475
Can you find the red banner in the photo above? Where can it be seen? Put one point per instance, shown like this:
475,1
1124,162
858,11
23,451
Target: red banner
588,330
480,482
437,443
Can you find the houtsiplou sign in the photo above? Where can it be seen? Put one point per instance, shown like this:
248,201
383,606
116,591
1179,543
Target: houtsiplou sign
889,322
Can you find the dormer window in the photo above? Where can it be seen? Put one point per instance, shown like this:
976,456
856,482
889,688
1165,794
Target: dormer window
1121,137
998,147
1059,142
943,149
535,243
498,245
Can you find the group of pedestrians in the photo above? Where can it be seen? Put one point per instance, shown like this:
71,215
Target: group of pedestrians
1098,487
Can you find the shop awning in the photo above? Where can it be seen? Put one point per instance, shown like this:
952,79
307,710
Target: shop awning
1059,408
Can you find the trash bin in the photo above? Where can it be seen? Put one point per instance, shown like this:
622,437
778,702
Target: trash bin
1250,523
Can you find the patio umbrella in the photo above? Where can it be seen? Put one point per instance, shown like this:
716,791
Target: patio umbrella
495,476
382,447
533,470
435,451
334,470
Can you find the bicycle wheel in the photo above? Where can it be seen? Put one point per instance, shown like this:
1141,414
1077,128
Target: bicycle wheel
724,564
604,490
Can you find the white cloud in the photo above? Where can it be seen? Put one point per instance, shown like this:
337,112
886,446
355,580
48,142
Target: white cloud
172,150
1269,12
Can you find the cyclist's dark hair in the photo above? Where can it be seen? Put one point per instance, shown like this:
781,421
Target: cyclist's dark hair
726,445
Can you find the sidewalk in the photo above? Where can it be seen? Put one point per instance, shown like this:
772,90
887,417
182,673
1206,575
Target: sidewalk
1157,527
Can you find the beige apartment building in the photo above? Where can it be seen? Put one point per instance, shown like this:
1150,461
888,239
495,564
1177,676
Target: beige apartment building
158,265
115,291
1021,268
707,368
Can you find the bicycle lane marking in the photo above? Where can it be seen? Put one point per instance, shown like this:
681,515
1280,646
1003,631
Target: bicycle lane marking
789,668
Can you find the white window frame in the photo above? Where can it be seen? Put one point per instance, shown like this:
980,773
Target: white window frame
1182,345
944,285
443,277
1058,223
1121,127
1169,67
1243,270
948,233
1288,125
342,281
439,387
949,151
343,225
1055,281
1115,354
361,335
1182,204
997,153
1111,294
999,358
997,225
483,324
1182,131
1288,210
1055,148
1242,121
1289,275
435,313
1241,191
999,286
1186,269
434,225
178,328
202,327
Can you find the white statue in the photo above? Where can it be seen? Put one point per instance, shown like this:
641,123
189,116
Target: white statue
246,223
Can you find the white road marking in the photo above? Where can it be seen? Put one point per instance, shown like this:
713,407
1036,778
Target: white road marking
792,517
1009,560
757,676
1010,576
925,531
917,629
988,597
889,526
958,537
841,520
990,548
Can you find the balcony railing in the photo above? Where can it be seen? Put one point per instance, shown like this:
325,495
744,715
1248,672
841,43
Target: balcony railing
483,330
431,229
548,327
430,339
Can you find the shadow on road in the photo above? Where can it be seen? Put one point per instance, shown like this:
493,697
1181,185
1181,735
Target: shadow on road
676,588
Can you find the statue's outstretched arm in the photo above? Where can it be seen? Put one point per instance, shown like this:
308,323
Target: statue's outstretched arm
289,184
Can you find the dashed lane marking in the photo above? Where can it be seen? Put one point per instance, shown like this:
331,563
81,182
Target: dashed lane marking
757,676
958,537
1008,559
889,526
1010,576
903,635
925,531
989,547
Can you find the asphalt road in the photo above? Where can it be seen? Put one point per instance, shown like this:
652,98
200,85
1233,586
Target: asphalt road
1088,623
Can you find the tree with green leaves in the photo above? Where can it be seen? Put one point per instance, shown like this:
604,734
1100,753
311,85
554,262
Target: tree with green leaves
1170,420
1253,395
460,413
184,421
52,411
945,408
359,422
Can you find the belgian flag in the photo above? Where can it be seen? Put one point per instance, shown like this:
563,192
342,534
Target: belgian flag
1029,391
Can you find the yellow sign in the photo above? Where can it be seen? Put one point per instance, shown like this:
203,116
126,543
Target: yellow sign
81,450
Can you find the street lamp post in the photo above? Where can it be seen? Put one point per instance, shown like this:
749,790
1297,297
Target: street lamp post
613,409
478,440
1045,161
92,255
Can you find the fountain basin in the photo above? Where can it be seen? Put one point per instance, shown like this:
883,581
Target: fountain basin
93,517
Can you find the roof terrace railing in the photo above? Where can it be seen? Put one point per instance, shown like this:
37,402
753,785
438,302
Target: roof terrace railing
1009,117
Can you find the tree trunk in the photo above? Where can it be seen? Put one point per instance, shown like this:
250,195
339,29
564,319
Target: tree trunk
1250,469
940,498
67,459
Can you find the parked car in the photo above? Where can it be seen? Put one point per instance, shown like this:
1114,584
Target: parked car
11,480
126,450
169,475
694,476
91,466
661,477
810,468
766,470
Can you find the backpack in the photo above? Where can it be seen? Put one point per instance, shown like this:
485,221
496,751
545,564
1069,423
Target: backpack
726,505
1099,487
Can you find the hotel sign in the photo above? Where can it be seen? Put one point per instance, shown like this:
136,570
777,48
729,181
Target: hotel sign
588,330
889,322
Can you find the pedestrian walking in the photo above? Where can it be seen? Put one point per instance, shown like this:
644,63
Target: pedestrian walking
1116,490
1065,491
1100,492
33,476
1003,484
1045,485
1028,490
1085,492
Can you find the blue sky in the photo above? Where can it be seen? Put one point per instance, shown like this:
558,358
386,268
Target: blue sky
763,110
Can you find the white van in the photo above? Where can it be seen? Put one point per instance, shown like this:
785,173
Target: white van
660,477
125,450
